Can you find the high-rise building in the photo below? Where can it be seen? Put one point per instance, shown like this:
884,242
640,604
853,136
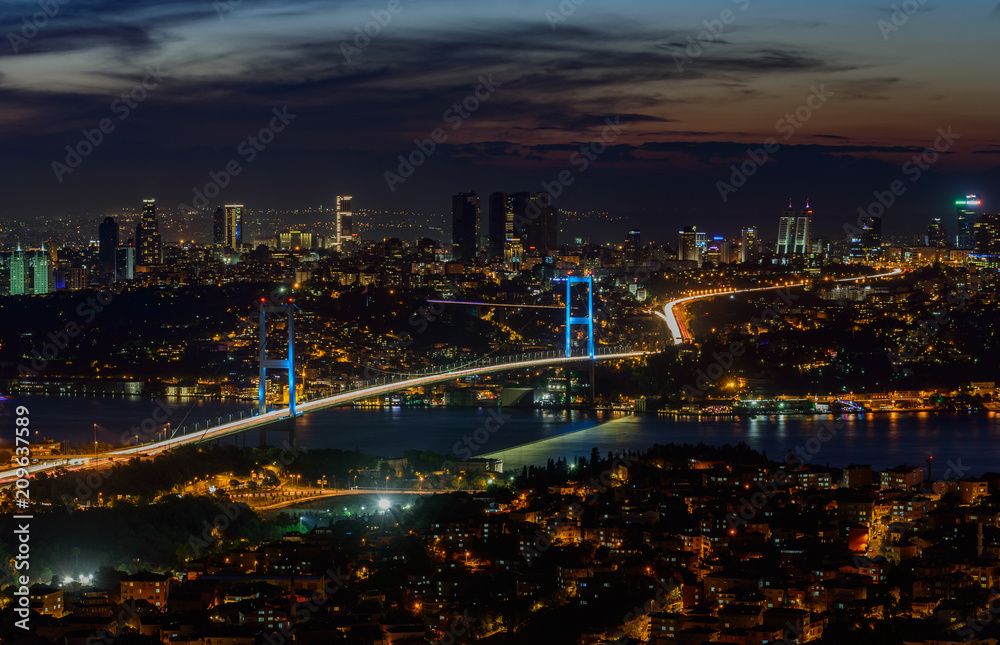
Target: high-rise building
749,249
871,236
633,247
803,232
987,237
464,217
512,254
535,222
717,250
291,240
968,212
543,231
219,228
126,262
795,232
786,232
147,235
228,227
687,245
107,254
18,273
501,223
345,223
43,273
76,278
937,234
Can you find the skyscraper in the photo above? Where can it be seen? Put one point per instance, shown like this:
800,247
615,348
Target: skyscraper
147,235
968,211
345,223
987,238
749,251
18,273
501,224
464,217
107,254
871,236
786,232
543,231
633,247
937,234
228,228
219,227
43,273
795,232
687,245
803,232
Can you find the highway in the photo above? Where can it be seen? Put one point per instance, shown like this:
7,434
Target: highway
673,315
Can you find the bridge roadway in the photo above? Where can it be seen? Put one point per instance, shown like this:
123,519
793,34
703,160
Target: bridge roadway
257,421
672,310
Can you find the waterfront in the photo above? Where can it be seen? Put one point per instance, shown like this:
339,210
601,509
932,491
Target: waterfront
533,436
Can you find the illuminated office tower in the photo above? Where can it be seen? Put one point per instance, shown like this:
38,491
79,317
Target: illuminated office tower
937,234
228,228
987,238
18,273
633,247
147,235
464,217
968,212
345,223
43,273
795,232
749,251
871,236
501,223
786,232
803,232
687,245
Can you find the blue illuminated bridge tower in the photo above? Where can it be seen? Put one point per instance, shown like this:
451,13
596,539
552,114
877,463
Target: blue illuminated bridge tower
577,321
288,310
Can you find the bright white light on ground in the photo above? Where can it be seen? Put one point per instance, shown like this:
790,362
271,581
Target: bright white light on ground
383,504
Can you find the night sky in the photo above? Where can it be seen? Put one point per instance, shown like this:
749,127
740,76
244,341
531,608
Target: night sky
689,110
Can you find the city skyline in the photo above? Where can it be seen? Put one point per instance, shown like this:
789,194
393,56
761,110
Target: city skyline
684,114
